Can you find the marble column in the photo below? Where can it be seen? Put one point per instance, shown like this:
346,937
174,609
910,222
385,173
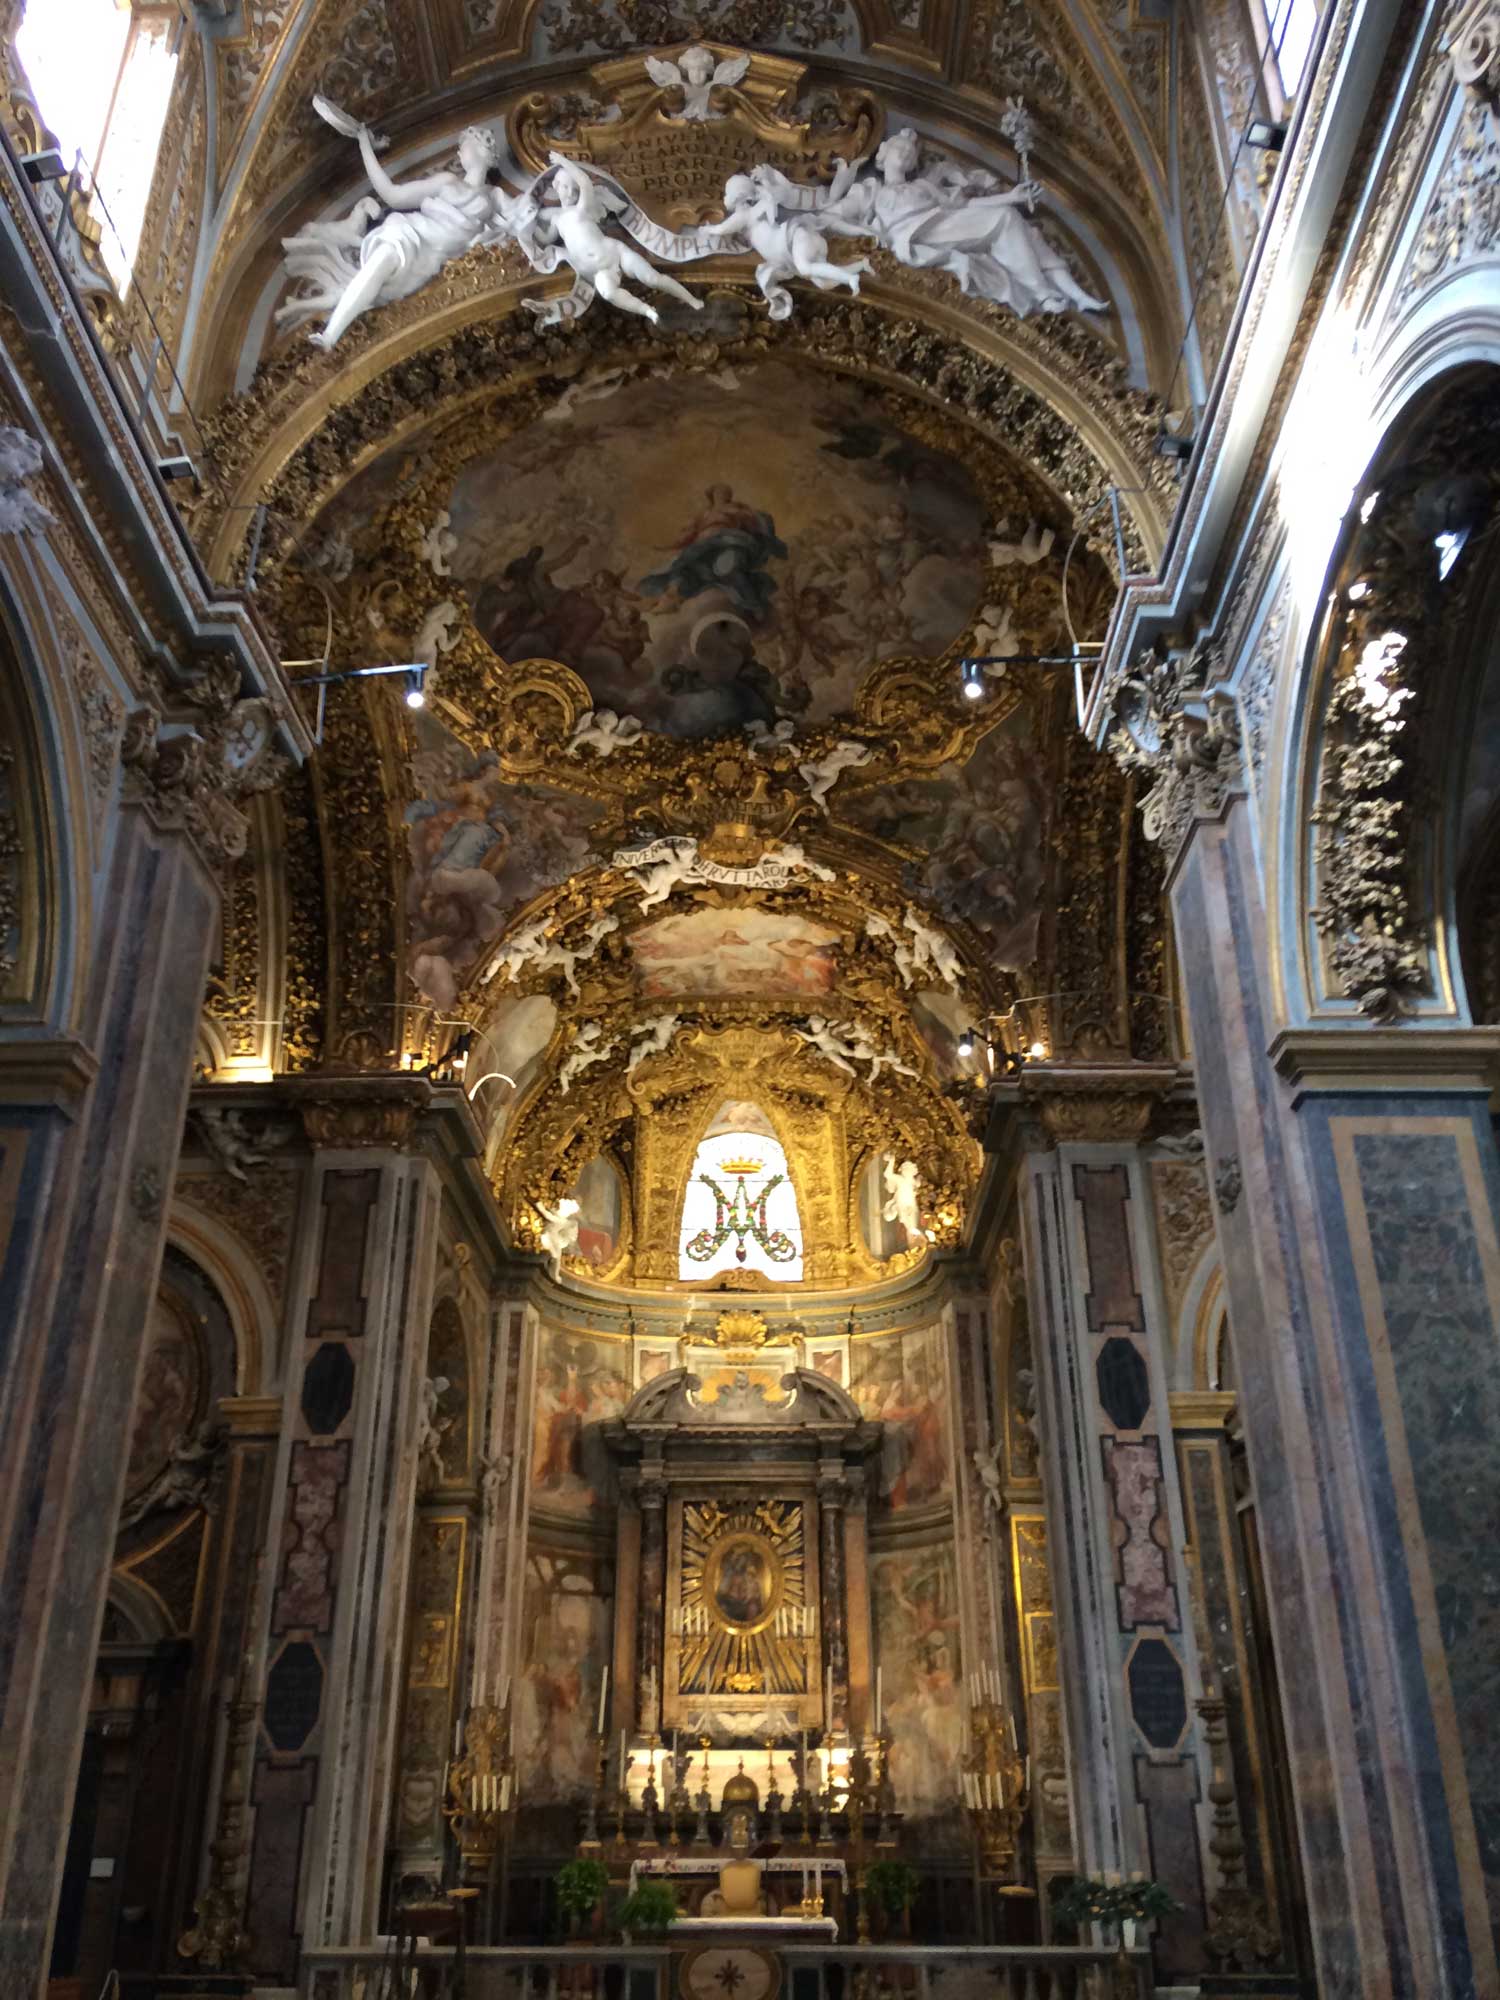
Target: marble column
832,1494
1129,1668
1357,1182
334,1618
89,1134
653,1596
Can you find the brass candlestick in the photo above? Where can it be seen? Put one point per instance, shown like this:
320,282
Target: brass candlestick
482,1786
219,1940
997,1792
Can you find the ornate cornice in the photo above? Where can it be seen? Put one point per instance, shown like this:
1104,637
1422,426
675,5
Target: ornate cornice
1097,1104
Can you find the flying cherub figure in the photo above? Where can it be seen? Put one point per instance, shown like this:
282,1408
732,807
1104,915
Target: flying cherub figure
575,235
697,76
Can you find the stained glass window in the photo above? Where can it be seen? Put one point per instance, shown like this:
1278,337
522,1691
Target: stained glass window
740,1210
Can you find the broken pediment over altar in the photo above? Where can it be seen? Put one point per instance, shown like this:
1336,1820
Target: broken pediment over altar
675,165
741,1372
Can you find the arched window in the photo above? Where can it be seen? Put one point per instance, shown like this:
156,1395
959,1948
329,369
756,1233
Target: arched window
102,77
739,1212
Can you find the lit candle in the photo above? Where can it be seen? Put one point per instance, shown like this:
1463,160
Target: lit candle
603,1696
505,1693
458,1738
622,1760
879,1697
828,1702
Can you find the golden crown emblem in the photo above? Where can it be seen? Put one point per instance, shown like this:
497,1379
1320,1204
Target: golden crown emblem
742,1166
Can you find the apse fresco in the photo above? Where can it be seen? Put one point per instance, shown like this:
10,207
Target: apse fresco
981,834
719,549
567,1616
479,846
710,952
900,1378
578,1384
914,1599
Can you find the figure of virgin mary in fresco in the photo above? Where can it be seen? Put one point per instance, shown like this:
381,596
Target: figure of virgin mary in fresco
725,548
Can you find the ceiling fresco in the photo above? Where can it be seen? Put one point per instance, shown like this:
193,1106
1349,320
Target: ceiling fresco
719,552
974,836
698,589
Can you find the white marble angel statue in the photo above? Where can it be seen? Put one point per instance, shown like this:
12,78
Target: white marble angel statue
931,948
787,246
356,262
697,75
527,947
601,730
573,233
560,1231
951,220
821,1034
901,1203
877,926
560,955
868,1050
655,1039
589,1047
657,879
821,776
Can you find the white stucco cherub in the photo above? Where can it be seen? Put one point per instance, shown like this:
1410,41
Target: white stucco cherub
867,1050
901,1203
602,731
559,1237
792,855
821,1034
822,774
560,955
697,74
600,262
439,545
655,1037
794,246
436,637
932,949
1034,546
882,928
657,879
769,736
589,1047
526,947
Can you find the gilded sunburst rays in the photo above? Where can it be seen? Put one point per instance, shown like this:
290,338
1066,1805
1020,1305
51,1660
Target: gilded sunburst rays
746,1621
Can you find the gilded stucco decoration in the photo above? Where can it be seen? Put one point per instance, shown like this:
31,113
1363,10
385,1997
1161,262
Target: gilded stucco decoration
1402,598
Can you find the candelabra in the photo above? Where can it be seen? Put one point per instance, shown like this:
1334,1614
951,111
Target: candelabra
219,1939
996,1786
481,1785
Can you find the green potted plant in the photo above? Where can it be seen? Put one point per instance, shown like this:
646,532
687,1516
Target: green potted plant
1111,1899
891,1887
648,1909
580,1890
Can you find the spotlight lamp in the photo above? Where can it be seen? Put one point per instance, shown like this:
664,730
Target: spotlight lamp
1169,446
48,165
972,679
416,694
1266,135
966,1042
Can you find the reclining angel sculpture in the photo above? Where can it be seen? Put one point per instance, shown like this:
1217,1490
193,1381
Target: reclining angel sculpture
356,262
397,240
955,220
